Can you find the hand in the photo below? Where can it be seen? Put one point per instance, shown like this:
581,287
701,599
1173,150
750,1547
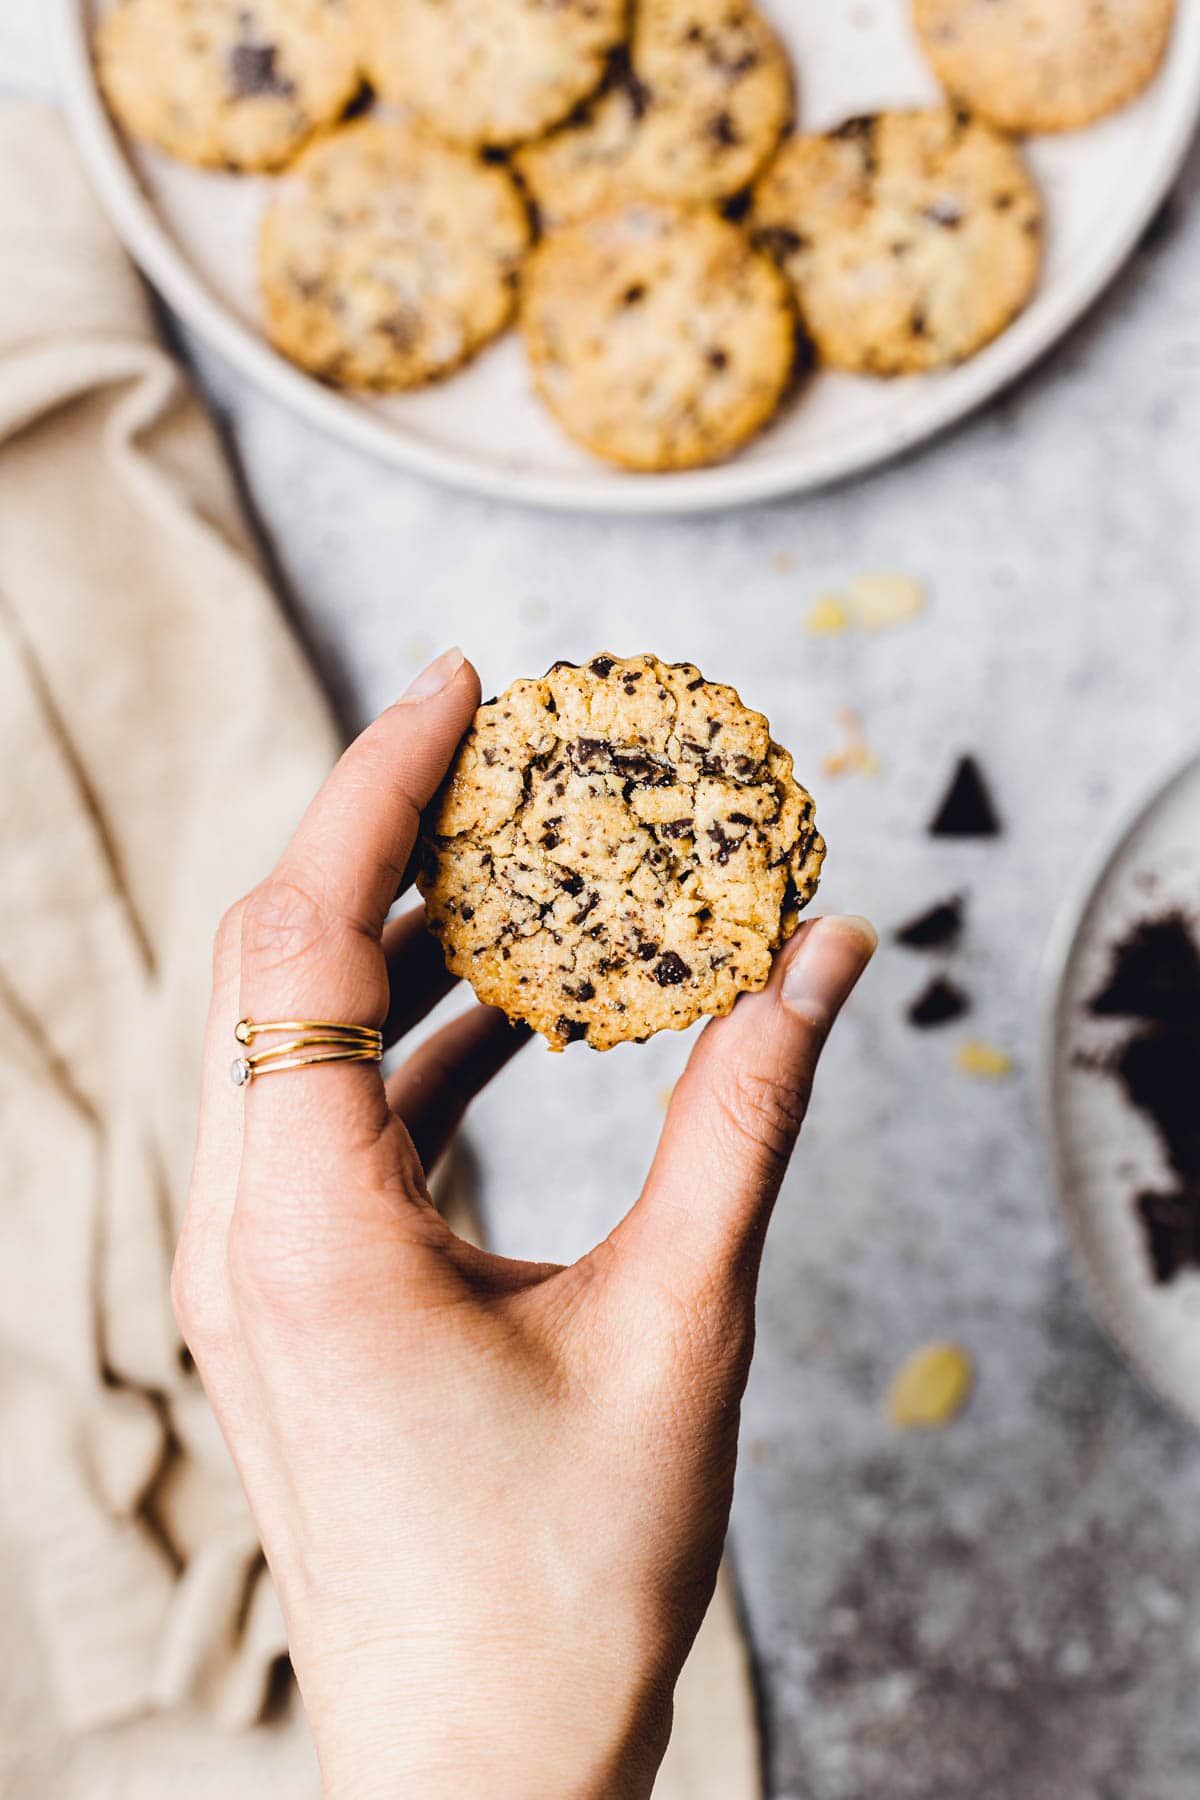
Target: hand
492,1494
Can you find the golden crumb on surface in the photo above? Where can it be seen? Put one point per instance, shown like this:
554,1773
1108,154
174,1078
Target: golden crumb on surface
982,1061
827,616
930,1387
878,600
854,756
874,601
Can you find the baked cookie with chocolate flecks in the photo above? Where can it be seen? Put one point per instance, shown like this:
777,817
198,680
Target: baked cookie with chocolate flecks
1044,65
694,115
489,71
236,84
715,88
586,165
387,258
911,238
657,336
618,849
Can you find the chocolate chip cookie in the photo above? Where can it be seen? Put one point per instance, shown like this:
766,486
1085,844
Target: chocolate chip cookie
658,337
618,849
386,258
694,115
1044,65
586,165
911,238
715,88
489,71
236,84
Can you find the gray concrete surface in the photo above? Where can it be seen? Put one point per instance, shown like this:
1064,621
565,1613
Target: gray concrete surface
1009,1610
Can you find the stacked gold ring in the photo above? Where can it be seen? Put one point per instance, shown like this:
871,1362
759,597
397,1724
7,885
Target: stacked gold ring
330,1041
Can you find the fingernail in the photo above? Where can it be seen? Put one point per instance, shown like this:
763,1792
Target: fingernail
439,674
825,966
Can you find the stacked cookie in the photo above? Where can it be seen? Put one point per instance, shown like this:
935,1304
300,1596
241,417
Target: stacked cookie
622,179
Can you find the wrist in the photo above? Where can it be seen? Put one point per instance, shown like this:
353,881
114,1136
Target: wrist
507,1727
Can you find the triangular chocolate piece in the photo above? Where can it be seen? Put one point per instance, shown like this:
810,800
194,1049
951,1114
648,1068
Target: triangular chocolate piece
967,810
941,1002
937,929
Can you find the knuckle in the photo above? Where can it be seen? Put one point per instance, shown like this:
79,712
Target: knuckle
280,923
272,1279
762,1111
198,1311
701,1339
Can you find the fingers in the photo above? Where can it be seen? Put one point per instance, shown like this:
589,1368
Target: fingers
311,933
417,974
736,1112
433,1089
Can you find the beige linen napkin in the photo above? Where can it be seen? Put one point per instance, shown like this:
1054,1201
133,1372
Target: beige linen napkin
160,735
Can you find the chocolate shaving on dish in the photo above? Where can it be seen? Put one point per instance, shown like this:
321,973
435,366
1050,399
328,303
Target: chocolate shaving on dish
1155,979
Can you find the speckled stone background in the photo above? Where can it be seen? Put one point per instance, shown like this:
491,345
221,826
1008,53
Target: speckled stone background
1008,1610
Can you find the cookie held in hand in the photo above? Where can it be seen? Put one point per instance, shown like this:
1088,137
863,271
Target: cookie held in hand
618,849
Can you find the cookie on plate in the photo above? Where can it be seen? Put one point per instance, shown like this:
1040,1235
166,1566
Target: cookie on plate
1044,65
716,91
585,165
619,848
694,116
912,238
236,84
489,71
386,258
657,336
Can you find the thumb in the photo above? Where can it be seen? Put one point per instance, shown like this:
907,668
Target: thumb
736,1112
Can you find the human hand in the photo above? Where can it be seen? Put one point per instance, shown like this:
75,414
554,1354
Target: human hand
492,1494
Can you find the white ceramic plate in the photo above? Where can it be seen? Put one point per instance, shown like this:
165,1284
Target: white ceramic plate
193,232
1104,1151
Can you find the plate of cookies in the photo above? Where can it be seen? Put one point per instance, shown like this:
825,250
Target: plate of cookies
632,255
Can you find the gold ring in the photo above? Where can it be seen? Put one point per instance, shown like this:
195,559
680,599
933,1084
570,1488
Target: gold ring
331,1041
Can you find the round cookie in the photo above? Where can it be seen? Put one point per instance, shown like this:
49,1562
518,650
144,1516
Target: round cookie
386,258
489,71
705,103
716,92
1044,65
618,849
912,238
584,166
658,337
234,84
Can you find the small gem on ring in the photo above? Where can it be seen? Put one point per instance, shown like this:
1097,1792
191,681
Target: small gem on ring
239,1071
241,1031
